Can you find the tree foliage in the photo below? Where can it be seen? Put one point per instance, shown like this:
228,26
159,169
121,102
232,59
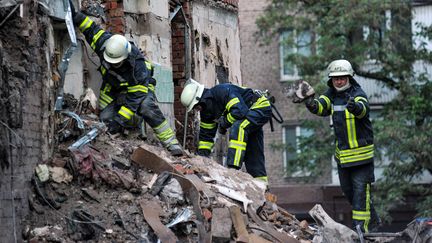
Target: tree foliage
377,37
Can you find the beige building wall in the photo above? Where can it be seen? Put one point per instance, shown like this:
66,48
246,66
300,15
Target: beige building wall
216,44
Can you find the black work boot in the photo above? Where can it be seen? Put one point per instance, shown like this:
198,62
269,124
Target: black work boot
175,149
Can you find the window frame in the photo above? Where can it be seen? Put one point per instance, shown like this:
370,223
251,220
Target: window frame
294,49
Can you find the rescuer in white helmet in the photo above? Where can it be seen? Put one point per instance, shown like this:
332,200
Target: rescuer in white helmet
349,107
128,86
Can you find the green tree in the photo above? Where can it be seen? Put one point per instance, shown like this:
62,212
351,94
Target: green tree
377,37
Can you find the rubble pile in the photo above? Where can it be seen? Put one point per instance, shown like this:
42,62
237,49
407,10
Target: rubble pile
119,189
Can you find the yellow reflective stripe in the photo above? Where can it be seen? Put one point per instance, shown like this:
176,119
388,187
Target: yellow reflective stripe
355,158
361,215
354,151
235,144
85,24
137,88
351,130
359,98
327,100
164,132
368,202
148,65
232,102
166,135
244,124
124,84
260,103
126,112
230,118
105,97
320,108
151,87
103,70
161,127
205,145
208,125
263,178
95,38
102,104
239,142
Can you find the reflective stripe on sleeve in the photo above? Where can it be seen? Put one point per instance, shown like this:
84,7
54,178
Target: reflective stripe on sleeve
126,112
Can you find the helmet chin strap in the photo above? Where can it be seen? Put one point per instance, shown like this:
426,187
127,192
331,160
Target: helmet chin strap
343,88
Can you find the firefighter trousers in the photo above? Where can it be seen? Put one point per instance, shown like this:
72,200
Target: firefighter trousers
246,142
152,115
356,185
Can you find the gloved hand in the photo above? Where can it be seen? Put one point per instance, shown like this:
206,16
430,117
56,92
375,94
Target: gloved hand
351,105
310,103
204,152
72,6
114,127
223,125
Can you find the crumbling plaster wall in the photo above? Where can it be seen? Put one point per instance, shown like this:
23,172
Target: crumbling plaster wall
216,44
148,26
26,110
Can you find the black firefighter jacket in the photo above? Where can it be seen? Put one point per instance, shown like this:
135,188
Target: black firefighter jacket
228,101
354,134
132,80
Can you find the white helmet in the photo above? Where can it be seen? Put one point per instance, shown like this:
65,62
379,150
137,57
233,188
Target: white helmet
340,68
117,49
191,94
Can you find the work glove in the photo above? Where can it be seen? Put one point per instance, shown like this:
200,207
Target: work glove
204,152
114,127
352,106
72,6
223,125
310,103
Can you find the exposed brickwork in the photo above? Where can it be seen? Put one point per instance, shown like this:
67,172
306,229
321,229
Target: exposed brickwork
260,69
24,80
234,3
178,57
115,16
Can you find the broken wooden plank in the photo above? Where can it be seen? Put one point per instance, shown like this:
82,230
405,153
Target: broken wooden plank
331,231
147,159
151,211
221,225
239,224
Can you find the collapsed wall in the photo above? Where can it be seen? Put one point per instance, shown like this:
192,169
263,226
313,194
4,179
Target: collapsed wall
25,109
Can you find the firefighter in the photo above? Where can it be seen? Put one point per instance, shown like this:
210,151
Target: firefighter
128,87
241,110
348,105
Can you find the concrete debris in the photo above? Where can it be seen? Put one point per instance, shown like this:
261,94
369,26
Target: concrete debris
331,231
155,198
42,172
60,175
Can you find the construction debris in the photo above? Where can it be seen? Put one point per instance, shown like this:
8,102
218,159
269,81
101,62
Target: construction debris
121,189
92,191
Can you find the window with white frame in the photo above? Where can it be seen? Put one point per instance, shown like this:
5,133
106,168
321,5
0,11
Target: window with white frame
291,136
293,42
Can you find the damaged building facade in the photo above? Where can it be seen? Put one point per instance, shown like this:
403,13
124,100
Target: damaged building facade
183,39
